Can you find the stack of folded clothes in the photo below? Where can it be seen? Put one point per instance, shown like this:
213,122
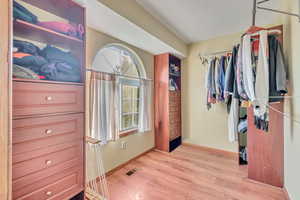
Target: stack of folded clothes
22,13
64,28
50,63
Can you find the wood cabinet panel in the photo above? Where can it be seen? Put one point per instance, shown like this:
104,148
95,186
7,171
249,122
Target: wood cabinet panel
35,133
266,149
46,161
40,99
167,102
54,187
162,134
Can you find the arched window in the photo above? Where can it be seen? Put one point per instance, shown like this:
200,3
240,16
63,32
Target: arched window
119,59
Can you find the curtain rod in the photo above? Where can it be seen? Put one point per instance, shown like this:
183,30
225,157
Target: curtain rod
120,75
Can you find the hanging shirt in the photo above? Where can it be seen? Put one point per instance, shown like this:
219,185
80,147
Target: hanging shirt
262,77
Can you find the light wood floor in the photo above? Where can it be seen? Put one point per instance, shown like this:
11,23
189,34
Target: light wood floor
187,174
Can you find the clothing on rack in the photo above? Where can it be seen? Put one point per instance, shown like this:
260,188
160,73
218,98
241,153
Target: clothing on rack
243,126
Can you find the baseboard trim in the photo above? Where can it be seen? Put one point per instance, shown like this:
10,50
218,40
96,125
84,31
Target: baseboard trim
227,154
109,173
286,194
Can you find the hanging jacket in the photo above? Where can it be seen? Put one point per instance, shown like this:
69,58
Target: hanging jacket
230,75
26,47
277,70
240,73
221,78
211,89
20,12
262,77
53,54
247,68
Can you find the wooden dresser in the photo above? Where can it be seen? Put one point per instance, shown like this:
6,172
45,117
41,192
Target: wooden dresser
48,117
167,102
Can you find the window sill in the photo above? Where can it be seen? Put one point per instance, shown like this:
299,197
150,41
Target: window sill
129,132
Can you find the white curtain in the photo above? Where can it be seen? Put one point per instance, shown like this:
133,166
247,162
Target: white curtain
145,114
104,107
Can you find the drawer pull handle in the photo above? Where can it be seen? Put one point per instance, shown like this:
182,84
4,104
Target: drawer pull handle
49,193
49,98
48,131
48,162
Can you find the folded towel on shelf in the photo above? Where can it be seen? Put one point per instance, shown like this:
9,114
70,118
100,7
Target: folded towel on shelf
22,13
26,47
28,61
55,55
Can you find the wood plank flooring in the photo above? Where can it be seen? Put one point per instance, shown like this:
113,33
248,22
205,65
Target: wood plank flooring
187,174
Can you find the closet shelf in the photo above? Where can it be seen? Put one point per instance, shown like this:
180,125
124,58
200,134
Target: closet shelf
46,81
37,33
67,9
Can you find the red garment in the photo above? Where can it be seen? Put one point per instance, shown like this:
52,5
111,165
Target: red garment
60,27
20,55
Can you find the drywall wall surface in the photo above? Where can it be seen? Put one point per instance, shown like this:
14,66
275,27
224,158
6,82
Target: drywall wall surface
135,13
200,126
292,106
137,144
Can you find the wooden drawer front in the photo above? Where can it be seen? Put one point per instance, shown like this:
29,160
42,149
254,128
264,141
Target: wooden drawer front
47,161
71,180
35,133
41,99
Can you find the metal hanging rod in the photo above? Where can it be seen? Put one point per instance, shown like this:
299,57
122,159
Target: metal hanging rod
263,1
279,11
216,53
255,7
120,75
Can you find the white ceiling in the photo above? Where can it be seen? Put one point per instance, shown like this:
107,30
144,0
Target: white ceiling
105,20
196,20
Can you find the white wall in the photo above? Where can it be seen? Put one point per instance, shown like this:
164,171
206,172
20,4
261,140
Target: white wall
292,129
113,155
202,127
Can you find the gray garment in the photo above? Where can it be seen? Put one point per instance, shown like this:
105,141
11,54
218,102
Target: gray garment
211,85
281,70
278,70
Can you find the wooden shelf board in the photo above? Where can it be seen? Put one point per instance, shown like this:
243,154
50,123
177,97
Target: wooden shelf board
46,81
44,35
67,9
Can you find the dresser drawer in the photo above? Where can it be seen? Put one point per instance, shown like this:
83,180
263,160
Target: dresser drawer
64,184
36,133
40,99
24,168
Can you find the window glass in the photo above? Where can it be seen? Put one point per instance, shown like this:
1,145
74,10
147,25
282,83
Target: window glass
129,106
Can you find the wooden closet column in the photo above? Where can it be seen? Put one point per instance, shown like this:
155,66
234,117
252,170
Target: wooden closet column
49,116
5,87
266,149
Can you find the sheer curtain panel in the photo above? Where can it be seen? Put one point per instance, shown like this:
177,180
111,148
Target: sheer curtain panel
104,109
